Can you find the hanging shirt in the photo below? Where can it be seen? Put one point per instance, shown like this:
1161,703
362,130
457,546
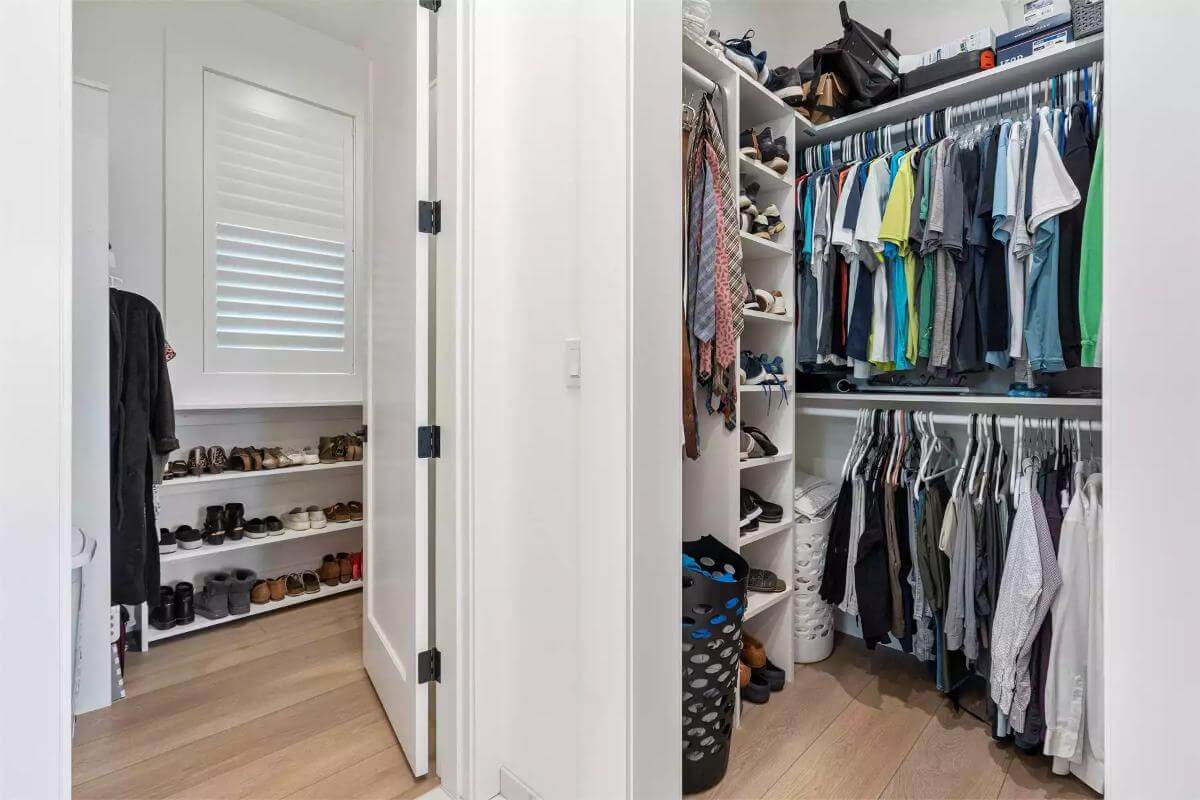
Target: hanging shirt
1019,243
893,232
1091,264
870,219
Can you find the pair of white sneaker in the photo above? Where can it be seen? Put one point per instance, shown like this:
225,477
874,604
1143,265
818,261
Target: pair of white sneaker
299,519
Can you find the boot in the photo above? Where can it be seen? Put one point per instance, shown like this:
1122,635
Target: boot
330,572
213,602
162,616
214,525
240,583
235,521
185,609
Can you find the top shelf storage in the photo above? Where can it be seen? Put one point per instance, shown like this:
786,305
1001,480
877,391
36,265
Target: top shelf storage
974,87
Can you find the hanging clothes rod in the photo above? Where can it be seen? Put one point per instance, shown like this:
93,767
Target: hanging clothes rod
1006,420
692,74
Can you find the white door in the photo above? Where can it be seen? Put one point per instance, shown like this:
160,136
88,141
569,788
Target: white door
396,584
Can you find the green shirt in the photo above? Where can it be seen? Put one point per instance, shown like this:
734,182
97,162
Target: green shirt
1091,262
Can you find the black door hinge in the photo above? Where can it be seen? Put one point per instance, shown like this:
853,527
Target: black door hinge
429,441
361,432
432,5
429,666
429,216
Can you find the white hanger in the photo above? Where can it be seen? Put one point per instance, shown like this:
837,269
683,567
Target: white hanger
966,463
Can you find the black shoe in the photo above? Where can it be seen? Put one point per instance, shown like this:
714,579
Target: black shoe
741,55
757,690
750,510
763,580
770,511
188,537
748,144
761,227
771,675
274,525
214,525
768,447
185,608
213,602
773,151
787,84
162,616
235,521
166,542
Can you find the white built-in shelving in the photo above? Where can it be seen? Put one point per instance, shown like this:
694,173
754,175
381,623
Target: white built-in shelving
246,543
234,475
756,247
754,171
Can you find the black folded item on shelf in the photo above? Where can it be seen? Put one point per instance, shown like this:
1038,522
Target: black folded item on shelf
946,70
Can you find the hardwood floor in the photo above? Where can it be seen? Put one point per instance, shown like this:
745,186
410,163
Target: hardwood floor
275,706
871,725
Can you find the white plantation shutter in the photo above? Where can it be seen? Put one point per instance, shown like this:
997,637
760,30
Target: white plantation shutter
279,232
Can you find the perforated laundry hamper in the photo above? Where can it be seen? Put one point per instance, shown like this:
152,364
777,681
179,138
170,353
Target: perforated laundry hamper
811,616
712,641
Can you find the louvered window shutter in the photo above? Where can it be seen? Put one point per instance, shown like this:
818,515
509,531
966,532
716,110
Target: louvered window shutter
279,232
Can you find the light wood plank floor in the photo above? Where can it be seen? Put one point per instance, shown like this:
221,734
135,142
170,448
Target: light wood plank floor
274,706
871,725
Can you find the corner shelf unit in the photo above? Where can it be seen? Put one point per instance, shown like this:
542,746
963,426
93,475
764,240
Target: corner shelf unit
712,483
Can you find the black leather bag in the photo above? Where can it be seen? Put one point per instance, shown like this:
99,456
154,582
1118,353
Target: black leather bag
863,64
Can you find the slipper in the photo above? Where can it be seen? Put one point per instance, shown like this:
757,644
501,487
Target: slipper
295,584
178,469
255,528
763,580
311,456
756,691
312,581
274,525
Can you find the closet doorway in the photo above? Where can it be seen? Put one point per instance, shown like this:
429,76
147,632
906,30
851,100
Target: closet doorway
241,172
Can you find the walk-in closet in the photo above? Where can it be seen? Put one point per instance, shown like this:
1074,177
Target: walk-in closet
893,300
252,302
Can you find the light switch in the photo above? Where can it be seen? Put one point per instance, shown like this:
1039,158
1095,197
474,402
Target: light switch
573,363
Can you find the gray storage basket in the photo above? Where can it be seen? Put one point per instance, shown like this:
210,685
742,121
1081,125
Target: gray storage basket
1087,17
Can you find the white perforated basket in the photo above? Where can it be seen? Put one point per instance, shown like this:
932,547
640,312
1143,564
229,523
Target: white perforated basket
812,617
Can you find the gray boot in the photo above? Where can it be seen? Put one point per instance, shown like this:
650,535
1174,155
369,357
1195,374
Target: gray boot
239,590
213,600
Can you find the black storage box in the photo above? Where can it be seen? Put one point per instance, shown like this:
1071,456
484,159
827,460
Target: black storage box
946,70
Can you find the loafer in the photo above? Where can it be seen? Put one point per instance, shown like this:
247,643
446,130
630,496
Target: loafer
753,652
260,592
297,520
274,525
256,528
338,512
278,587
356,510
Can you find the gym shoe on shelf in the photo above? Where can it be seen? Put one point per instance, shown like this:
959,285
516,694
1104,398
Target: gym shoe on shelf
786,84
747,200
297,520
741,55
748,144
316,517
774,152
763,442
775,224
750,510
760,227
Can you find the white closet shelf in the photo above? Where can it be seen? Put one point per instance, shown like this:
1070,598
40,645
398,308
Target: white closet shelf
758,602
155,635
916,398
754,247
763,315
759,106
751,463
233,475
1052,61
764,532
246,542
252,405
767,178
763,387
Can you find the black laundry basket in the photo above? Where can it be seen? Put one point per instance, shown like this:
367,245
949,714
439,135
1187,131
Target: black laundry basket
712,640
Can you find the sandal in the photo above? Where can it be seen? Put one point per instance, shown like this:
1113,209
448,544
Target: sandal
312,581
354,448
216,459
337,513
196,462
240,460
327,455
281,458
268,459
178,469
356,510
330,571
295,585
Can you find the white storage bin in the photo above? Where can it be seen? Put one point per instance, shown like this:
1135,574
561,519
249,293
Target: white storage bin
812,617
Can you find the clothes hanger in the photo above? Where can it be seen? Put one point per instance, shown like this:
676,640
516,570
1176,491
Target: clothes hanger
958,481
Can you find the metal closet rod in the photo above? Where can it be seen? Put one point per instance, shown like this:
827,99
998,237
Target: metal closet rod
1006,420
694,75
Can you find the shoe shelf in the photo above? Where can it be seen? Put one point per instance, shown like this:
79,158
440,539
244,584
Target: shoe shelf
233,475
778,458
767,178
246,542
755,247
918,398
758,602
763,387
153,634
766,317
765,531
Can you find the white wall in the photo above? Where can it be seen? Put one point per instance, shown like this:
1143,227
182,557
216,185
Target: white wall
789,30
557,603
1150,525
35,372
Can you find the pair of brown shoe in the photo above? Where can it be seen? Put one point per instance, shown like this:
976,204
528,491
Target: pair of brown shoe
275,589
344,512
344,447
339,569
200,460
